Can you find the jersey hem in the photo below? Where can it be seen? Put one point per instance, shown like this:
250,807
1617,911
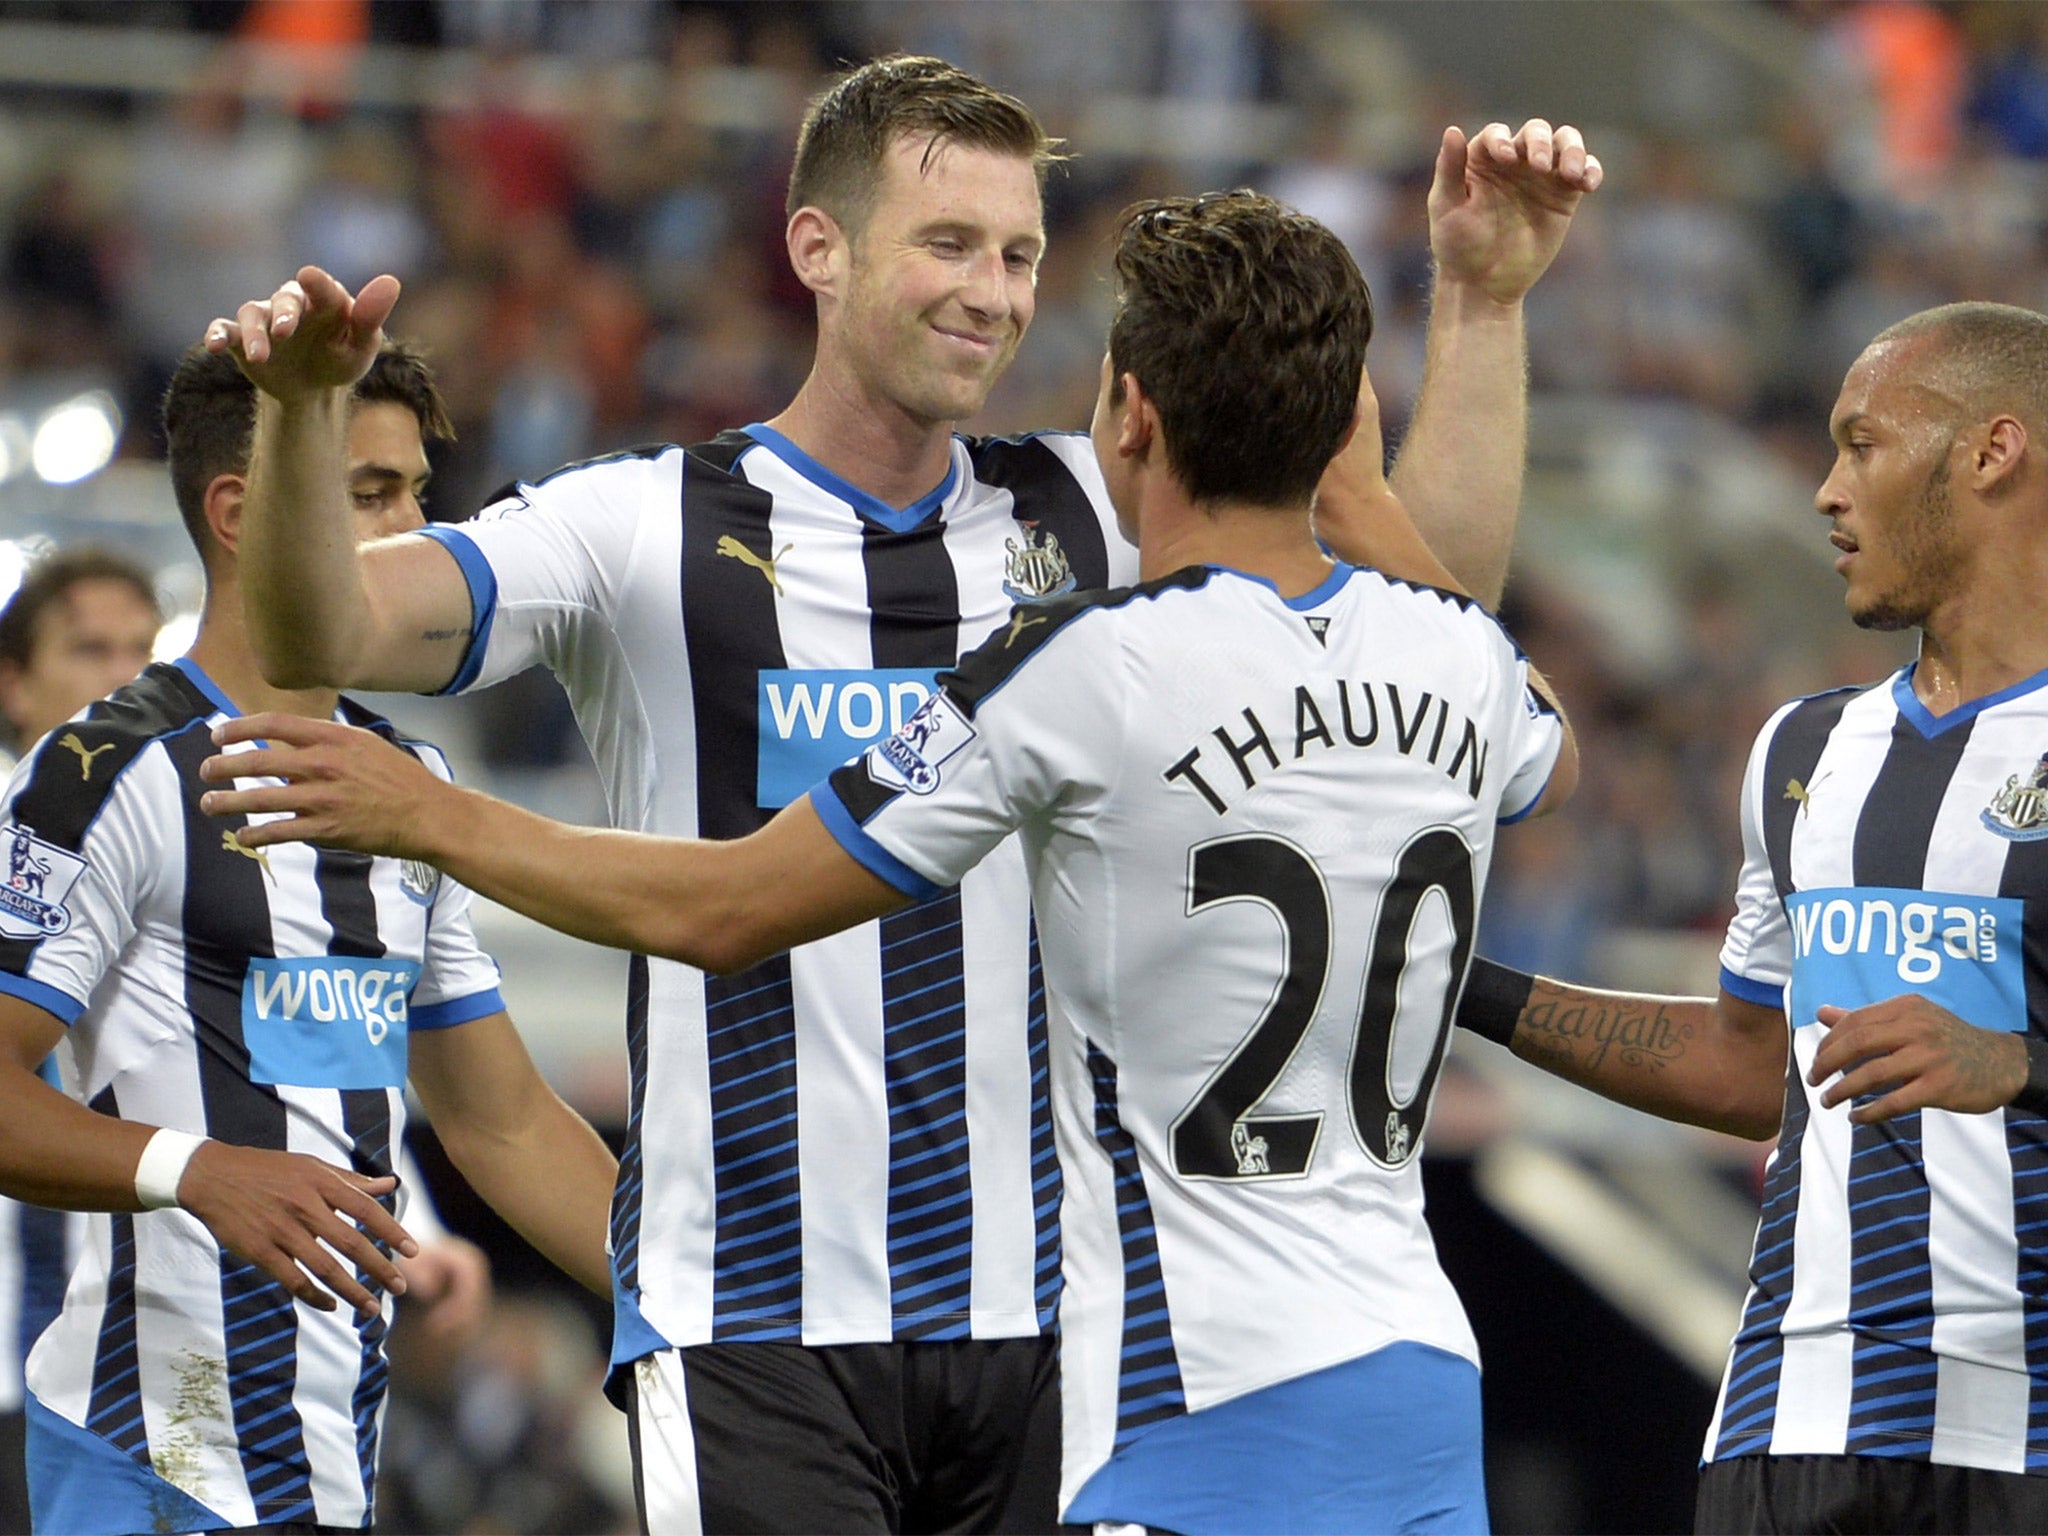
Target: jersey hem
60,1005
1763,993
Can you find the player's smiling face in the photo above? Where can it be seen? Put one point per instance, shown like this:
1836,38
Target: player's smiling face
942,278
1888,496
387,469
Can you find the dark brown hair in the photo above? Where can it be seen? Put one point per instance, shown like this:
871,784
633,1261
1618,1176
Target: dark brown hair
852,125
210,415
49,578
1246,324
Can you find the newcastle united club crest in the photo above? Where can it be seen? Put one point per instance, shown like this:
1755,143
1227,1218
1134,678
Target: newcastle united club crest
2019,811
1037,568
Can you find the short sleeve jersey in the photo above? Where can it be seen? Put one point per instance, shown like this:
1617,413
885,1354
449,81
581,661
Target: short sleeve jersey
1898,1301
848,1143
262,997
1257,830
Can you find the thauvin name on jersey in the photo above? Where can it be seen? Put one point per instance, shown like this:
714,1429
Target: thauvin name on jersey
328,1021
811,721
1413,722
1854,945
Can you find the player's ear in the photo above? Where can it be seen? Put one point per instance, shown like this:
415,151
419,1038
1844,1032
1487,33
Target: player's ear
1997,449
223,505
1139,423
819,250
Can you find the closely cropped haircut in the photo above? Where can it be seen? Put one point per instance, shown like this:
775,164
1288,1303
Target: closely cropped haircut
1246,323
210,417
50,579
850,128
1989,357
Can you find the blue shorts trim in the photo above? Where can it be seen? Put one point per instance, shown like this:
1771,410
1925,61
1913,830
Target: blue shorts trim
79,1485
1390,1441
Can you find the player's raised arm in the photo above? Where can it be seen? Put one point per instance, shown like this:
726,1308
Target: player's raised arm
321,614
295,1217
1717,1062
718,905
1499,208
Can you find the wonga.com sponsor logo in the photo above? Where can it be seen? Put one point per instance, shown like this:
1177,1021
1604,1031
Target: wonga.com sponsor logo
811,721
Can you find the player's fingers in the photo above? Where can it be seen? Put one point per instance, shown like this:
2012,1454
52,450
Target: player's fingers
1495,142
322,289
1447,184
365,1255
296,823
252,321
357,1199
329,1272
1570,148
1902,1100
272,726
221,334
1534,144
286,305
374,304
1882,1075
1594,174
283,1267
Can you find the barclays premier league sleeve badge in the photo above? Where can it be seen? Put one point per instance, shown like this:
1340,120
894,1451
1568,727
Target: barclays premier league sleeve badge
39,877
911,758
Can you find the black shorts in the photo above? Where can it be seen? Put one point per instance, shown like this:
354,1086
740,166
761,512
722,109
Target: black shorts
1864,1493
870,1438
13,1472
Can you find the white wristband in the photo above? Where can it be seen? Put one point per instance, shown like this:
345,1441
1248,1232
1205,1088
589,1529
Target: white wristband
162,1165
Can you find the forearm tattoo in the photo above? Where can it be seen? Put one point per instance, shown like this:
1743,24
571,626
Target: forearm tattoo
1577,1034
444,634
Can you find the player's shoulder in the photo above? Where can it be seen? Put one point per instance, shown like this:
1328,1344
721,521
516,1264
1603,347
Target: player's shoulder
71,773
1032,626
1028,455
623,469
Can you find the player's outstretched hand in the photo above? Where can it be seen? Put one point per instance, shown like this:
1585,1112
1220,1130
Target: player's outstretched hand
344,787
298,1219
1500,204
310,335
1914,1054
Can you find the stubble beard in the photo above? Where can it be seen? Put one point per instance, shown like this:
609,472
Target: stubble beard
1928,557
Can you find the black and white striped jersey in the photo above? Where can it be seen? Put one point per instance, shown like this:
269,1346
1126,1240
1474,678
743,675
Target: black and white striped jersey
1898,1301
262,997
848,1143
1256,829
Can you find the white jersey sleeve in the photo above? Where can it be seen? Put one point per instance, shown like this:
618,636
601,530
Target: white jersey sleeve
458,981
549,560
1756,953
68,915
1008,742
1535,741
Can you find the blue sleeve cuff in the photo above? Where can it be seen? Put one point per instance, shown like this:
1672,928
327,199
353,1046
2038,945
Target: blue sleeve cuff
478,1005
483,599
60,1005
870,854
1764,994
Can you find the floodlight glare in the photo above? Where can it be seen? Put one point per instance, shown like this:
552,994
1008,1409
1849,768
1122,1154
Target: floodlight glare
77,438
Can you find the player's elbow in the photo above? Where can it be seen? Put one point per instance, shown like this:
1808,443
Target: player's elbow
722,942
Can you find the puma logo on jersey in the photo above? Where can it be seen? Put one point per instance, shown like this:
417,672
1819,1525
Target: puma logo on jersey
1019,622
85,754
733,549
234,844
1794,790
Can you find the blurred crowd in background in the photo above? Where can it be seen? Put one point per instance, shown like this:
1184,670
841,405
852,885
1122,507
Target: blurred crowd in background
584,199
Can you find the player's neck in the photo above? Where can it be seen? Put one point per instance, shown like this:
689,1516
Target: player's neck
1985,639
865,440
221,649
1274,544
